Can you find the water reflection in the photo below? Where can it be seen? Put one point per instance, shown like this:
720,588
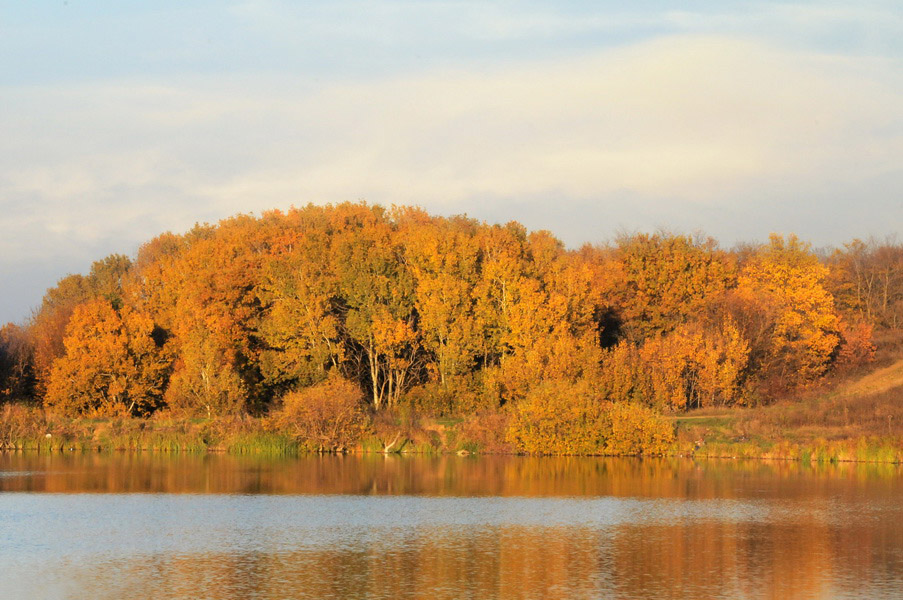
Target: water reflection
400,527
440,476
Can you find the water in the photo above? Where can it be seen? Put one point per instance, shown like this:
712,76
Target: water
182,526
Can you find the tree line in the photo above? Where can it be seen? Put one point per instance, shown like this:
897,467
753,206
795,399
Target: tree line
450,316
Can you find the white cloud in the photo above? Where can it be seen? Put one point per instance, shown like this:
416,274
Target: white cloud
685,116
685,123
693,118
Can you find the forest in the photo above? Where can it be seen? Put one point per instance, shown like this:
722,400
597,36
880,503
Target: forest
340,323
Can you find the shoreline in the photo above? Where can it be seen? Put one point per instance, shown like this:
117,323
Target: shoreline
861,450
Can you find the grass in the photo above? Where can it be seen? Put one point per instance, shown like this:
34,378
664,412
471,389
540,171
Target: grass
859,420
262,443
30,428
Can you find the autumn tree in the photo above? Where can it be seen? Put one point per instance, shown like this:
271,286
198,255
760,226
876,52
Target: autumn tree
112,363
693,368
377,292
48,325
866,279
551,332
444,259
785,282
669,279
447,313
503,259
205,379
690,367
202,292
300,327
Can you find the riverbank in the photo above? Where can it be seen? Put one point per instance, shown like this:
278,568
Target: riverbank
751,433
859,419
24,427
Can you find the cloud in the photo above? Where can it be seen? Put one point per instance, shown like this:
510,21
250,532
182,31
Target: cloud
682,129
698,118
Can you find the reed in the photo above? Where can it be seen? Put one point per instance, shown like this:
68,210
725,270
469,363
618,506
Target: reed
263,442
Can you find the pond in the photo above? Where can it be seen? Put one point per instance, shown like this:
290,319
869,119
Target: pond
145,525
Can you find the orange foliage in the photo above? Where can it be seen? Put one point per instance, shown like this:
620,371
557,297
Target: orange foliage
559,417
692,368
788,280
205,379
443,256
688,368
668,279
112,364
856,345
299,329
329,416
451,316
377,290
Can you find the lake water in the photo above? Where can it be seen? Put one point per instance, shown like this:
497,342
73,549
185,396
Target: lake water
186,526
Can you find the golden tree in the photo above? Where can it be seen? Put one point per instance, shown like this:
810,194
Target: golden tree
669,279
112,364
377,292
443,257
787,282
299,327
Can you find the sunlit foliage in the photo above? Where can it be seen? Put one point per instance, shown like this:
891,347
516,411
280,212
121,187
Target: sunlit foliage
786,280
112,364
559,417
329,416
669,279
450,317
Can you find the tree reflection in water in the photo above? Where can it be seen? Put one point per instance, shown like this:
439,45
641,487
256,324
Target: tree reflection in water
446,527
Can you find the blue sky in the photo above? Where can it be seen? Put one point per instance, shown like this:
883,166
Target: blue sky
123,120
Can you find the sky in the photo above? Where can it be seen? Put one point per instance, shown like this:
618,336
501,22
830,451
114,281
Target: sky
119,121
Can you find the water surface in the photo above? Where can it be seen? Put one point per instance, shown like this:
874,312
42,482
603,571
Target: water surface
186,526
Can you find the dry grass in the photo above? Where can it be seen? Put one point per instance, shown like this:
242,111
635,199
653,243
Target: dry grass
836,416
859,419
876,382
870,405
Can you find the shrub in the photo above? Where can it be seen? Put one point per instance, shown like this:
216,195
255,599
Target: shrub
558,417
19,423
857,347
460,395
569,418
485,432
329,416
636,429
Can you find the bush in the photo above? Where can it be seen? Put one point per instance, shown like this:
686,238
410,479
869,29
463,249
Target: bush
461,395
635,430
329,416
857,347
484,432
569,418
558,417
19,423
